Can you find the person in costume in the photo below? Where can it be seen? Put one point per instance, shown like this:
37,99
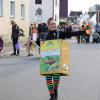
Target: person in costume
53,80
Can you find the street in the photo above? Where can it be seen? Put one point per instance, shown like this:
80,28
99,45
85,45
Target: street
20,79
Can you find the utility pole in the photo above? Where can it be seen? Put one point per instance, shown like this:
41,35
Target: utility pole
98,16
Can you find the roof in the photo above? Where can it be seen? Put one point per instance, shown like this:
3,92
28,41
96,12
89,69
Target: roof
75,13
91,13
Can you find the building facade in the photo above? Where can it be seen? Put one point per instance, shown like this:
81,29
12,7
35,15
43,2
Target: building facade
25,12
13,10
41,10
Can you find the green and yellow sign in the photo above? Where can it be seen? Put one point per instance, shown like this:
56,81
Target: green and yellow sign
51,58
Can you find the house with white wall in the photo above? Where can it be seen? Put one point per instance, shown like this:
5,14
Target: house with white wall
24,12
41,10
17,10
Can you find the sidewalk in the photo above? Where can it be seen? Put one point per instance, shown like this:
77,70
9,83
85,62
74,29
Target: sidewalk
8,46
8,49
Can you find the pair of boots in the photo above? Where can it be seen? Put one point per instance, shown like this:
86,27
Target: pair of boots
54,96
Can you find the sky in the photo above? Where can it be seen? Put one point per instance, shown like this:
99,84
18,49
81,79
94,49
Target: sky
78,5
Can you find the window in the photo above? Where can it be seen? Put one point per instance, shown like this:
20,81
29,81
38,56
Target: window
38,1
1,7
12,8
22,10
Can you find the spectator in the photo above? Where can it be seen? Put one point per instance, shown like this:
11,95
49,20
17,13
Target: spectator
53,79
1,43
15,37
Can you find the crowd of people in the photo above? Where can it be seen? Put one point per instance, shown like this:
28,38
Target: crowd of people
83,33
36,32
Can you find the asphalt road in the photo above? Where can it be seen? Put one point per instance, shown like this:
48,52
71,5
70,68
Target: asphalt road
20,79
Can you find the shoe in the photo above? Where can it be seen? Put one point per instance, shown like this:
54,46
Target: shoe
56,94
31,54
12,54
17,54
28,55
52,97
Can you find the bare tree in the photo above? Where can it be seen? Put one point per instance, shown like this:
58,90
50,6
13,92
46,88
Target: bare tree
94,8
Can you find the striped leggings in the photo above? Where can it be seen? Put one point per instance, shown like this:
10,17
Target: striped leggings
52,83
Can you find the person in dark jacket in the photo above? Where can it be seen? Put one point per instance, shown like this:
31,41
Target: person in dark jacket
15,37
1,43
53,80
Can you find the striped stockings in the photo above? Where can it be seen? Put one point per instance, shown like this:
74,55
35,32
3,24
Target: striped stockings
52,83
